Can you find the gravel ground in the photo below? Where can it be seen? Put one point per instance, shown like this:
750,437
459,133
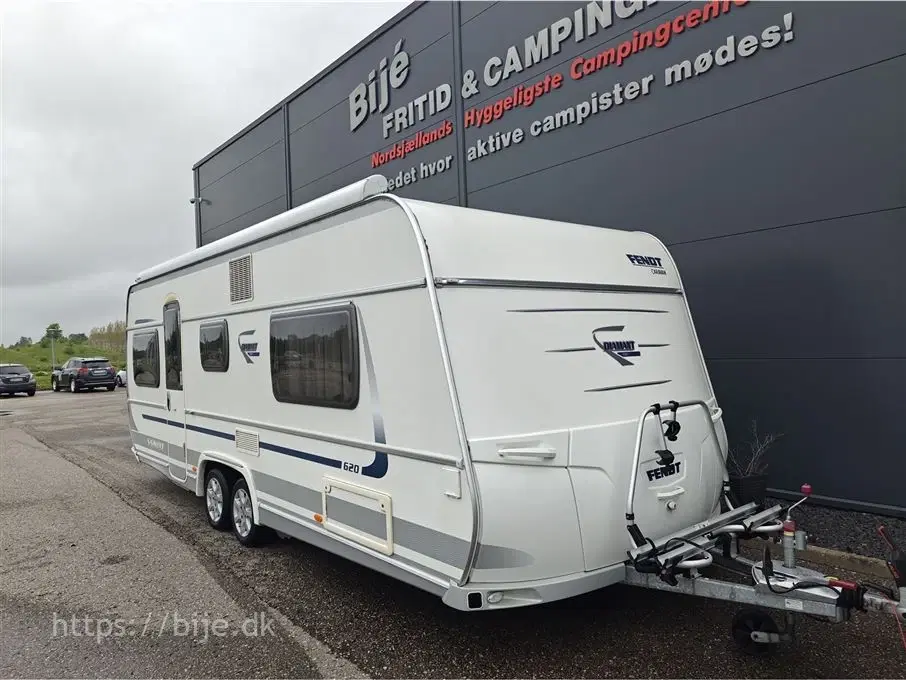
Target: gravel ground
854,532
336,618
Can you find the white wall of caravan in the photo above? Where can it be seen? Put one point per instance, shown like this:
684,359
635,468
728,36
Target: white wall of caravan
469,243
538,389
530,510
414,399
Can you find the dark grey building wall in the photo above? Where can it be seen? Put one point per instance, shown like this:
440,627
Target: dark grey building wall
244,184
778,181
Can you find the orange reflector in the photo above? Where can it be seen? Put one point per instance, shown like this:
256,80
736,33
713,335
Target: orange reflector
318,518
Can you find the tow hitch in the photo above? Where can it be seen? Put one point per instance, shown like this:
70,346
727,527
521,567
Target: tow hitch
673,564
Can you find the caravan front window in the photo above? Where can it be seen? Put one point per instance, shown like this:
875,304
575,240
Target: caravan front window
314,357
146,359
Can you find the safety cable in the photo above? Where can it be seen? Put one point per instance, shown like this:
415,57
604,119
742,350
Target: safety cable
815,584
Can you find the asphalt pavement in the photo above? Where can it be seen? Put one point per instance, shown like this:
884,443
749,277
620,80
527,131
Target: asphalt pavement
109,570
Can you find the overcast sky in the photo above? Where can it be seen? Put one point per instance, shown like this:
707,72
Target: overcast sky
105,108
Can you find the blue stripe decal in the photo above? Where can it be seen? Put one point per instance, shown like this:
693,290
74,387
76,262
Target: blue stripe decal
213,433
163,421
330,462
378,468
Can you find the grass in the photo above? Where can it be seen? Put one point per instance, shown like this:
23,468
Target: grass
37,358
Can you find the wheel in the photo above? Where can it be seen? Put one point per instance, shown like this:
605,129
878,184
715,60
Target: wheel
216,495
110,388
247,532
72,386
745,623
119,382
31,393
53,385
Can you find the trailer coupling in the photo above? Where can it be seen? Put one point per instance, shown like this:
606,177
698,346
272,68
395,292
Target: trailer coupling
673,564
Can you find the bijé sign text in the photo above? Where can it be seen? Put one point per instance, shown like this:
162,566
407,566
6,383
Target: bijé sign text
373,96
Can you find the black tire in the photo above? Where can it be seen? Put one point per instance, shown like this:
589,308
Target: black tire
31,394
54,385
73,386
256,534
110,388
752,619
225,520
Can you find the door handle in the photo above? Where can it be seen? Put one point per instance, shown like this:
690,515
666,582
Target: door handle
543,452
168,401
678,491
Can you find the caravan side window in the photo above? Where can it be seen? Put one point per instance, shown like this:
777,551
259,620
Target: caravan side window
315,357
214,346
146,359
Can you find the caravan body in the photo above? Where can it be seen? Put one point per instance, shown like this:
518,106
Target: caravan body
450,396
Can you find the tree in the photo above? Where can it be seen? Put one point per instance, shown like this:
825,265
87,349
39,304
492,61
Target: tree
53,332
23,342
78,338
111,337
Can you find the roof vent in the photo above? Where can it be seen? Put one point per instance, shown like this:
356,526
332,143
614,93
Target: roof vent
241,279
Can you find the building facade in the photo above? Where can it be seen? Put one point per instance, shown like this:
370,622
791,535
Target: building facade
763,142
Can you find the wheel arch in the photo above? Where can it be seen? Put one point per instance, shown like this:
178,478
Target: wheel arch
232,467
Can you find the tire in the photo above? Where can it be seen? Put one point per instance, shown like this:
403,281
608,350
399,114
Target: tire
73,387
31,394
246,531
217,491
110,388
54,385
751,619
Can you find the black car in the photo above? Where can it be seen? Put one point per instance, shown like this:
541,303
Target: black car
16,378
80,373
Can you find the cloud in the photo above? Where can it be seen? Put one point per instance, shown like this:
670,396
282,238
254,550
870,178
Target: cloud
106,107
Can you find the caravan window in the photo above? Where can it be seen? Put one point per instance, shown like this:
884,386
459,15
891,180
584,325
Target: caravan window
214,346
314,358
146,359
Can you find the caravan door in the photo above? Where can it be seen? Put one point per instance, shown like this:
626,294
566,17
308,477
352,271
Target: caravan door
176,403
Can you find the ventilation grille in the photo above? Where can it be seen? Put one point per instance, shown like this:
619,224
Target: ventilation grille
241,279
247,442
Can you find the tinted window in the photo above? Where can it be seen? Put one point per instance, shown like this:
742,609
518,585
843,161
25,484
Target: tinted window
314,358
146,359
172,346
96,363
13,370
214,346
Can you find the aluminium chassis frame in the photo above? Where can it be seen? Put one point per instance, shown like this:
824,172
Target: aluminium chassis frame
672,563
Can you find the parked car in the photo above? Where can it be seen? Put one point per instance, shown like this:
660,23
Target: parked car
17,378
121,378
81,373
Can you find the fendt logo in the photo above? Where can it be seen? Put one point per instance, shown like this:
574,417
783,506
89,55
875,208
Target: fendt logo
645,261
664,471
618,350
249,348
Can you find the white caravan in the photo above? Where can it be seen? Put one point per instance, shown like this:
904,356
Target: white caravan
458,398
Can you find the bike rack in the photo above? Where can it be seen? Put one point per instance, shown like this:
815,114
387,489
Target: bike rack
672,563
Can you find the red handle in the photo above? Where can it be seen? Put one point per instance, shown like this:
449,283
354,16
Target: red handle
882,530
